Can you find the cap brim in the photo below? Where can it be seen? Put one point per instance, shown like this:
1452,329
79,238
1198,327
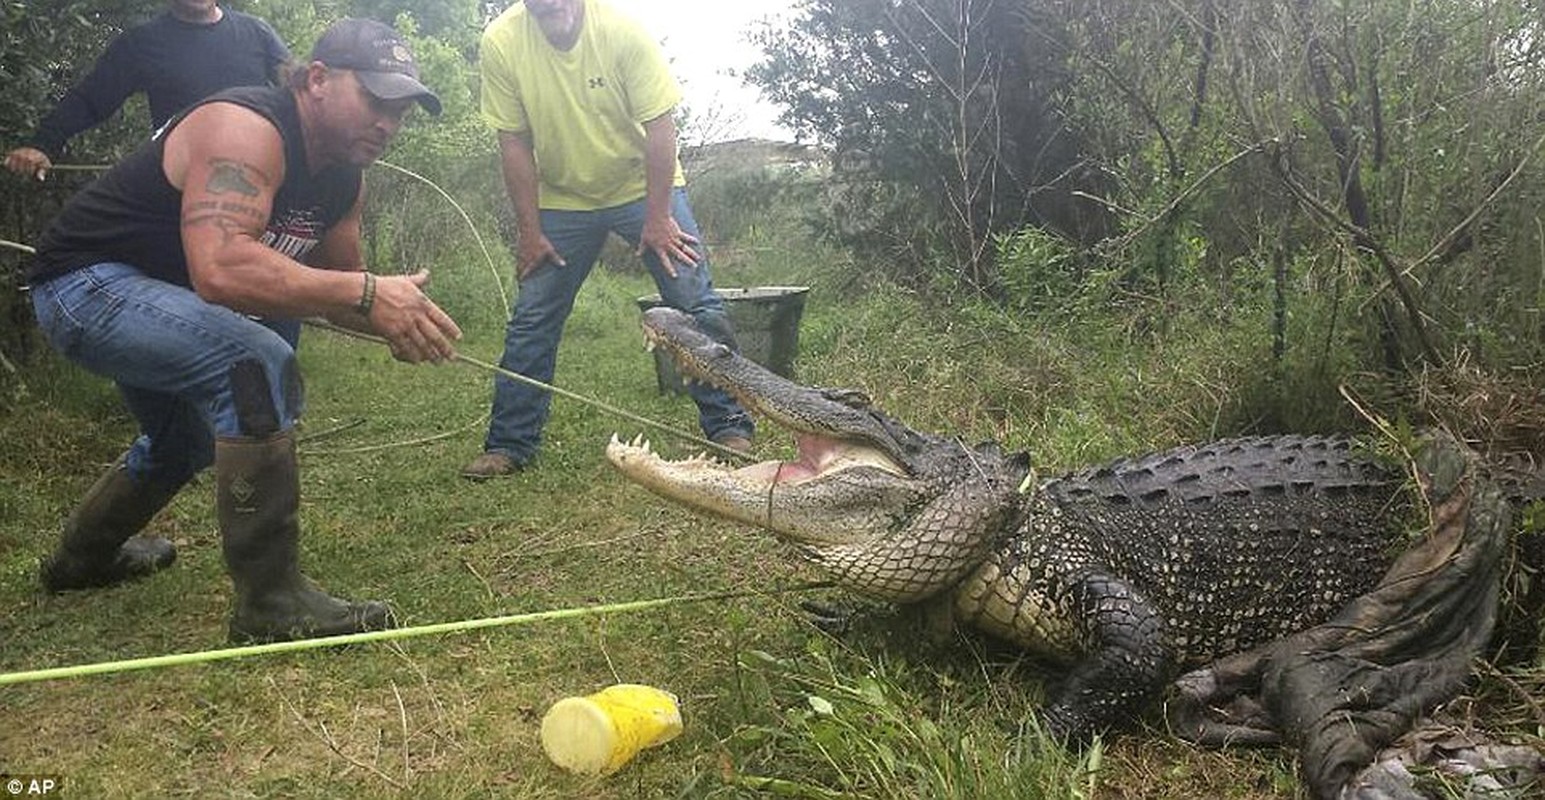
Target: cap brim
397,86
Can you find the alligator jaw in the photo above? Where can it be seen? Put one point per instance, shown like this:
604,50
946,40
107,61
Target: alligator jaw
834,494
850,481
888,511
819,458
829,420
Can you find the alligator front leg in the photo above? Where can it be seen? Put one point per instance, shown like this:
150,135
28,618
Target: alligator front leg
1126,661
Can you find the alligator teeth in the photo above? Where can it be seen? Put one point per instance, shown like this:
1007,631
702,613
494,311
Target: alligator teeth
638,442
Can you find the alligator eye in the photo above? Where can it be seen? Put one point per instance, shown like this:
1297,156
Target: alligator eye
852,398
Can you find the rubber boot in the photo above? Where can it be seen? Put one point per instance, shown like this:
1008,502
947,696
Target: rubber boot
98,547
258,503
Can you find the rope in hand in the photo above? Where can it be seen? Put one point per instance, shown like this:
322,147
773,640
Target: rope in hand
590,401
515,376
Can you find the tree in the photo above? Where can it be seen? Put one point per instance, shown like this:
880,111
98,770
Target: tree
1189,144
938,114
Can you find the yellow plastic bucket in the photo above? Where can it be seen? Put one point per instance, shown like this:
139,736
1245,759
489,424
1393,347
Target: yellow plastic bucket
600,733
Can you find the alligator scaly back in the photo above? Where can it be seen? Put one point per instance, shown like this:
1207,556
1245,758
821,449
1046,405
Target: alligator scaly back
1132,571
1236,542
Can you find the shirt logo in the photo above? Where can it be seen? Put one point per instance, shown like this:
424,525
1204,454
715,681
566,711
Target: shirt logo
597,83
294,233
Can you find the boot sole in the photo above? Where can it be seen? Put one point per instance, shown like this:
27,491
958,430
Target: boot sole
241,634
138,558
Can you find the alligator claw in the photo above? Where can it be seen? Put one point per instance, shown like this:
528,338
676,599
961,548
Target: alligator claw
830,618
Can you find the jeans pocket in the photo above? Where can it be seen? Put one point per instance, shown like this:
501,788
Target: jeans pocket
71,309
58,326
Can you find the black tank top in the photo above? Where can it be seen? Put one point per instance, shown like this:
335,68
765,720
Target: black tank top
132,214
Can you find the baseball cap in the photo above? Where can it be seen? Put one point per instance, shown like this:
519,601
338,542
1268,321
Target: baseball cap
379,57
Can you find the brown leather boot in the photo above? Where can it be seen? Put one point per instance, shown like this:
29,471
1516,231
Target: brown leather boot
258,502
98,547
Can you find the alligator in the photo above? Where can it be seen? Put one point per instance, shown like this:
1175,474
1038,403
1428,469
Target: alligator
1131,573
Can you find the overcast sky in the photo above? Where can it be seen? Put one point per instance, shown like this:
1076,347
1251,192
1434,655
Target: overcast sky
706,41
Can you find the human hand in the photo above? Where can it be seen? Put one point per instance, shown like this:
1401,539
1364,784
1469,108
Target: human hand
28,162
534,251
413,325
663,237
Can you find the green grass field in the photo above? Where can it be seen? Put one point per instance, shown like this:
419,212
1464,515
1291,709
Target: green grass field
772,707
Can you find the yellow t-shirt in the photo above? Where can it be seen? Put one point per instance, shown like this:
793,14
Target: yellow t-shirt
584,108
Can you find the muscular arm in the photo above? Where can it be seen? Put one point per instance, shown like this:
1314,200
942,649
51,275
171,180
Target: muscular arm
340,251
661,235
228,162
96,97
518,163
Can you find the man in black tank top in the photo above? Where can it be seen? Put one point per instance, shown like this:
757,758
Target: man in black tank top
246,204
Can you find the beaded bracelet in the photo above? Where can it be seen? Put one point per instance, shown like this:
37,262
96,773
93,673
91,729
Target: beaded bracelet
367,300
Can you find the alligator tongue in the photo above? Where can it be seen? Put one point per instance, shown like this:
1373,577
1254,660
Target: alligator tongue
817,454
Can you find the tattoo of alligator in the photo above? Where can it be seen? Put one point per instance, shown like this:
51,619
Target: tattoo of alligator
1130,573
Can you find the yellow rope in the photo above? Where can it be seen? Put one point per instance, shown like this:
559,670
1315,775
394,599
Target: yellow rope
207,656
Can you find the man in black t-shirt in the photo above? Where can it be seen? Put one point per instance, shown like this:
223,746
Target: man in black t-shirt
182,56
247,203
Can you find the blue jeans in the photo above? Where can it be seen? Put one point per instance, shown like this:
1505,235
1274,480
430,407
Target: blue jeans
171,354
546,298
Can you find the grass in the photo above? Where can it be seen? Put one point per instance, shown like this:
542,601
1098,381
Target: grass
772,708
383,517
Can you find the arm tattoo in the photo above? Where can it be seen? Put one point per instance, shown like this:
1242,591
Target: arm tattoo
228,226
231,209
231,176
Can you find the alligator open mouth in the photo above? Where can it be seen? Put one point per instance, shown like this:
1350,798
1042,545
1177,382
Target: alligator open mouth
845,477
833,430
815,457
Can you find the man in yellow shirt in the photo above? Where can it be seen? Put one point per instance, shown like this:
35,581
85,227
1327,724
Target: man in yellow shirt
582,101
